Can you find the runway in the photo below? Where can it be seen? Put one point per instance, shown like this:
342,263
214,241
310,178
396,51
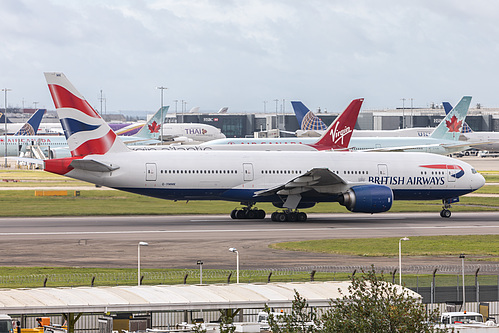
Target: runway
179,241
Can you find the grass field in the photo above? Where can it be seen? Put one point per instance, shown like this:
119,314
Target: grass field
485,246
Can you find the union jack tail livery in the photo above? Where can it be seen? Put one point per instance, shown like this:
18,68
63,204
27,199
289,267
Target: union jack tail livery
338,134
450,128
86,132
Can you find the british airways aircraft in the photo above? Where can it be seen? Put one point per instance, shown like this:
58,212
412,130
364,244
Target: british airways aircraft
363,182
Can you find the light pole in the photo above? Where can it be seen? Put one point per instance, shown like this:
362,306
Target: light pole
403,112
138,260
276,116
400,258
233,249
464,289
200,263
162,117
5,90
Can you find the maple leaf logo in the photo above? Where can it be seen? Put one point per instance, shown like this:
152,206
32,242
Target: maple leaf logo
453,125
154,127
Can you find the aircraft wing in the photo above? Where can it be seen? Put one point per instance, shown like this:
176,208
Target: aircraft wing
318,179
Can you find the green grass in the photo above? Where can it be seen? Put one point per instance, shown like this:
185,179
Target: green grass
490,176
111,202
473,245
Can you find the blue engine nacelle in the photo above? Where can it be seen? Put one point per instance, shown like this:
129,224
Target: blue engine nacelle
367,199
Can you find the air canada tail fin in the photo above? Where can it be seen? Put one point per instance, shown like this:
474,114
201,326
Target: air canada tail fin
447,108
307,120
86,132
33,123
450,127
152,128
340,131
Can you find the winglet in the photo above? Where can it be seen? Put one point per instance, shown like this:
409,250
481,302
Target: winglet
450,127
86,132
31,126
340,131
307,120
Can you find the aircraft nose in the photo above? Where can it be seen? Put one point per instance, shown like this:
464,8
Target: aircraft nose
480,181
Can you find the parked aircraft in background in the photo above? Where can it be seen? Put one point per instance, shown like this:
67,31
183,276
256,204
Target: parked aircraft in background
488,141
336,137
363,182
28,127
443,140
26,135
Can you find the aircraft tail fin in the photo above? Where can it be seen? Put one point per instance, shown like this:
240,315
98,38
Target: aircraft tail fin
450,127
307,120
447,108
340,131
152,128
33,123
86,132
4,118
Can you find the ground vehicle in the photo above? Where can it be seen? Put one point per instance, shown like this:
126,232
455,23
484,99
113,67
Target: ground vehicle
5,324
461,317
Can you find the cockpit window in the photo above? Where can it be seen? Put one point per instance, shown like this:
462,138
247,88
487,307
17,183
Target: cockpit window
473,171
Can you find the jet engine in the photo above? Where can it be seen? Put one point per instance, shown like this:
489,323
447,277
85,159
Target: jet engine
367,199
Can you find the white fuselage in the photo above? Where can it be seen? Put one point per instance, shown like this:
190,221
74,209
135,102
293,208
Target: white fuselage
191,132
412,144
237,175
17,143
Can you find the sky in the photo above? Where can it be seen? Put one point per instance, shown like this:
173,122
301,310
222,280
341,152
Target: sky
246,54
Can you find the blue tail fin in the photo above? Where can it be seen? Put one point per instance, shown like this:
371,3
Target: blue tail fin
152,128
2,118
307,120
450,127
31,126
448,108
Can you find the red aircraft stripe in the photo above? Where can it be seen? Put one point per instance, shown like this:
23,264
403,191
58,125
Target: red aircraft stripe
98,146
65,99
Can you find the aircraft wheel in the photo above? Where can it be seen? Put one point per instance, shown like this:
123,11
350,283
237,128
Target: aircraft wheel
292,217
446,213
302,217
233,214
281,217
240,214
251,214
260,214
273,217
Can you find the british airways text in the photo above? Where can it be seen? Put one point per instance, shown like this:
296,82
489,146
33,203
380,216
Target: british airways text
386,180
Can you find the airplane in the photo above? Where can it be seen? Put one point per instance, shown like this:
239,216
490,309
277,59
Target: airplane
14,128
26,135
482,140
337,136
362,182
443,140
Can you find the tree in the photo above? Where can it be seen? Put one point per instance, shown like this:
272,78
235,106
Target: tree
370,305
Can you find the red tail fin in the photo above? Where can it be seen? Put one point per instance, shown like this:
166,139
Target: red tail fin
338,134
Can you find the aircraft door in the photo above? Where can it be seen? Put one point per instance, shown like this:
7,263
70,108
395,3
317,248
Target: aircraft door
248,171
150,171
382,170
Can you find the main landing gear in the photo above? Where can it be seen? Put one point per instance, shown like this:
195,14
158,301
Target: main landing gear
445,213
288,216
248,212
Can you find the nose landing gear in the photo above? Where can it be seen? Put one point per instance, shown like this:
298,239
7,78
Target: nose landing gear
445,212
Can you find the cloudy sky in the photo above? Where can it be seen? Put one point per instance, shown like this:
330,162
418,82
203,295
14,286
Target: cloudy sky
241,53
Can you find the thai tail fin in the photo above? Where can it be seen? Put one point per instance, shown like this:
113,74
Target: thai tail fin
86,132
447,108
152,128
33,123
307,120
340,131
450,127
